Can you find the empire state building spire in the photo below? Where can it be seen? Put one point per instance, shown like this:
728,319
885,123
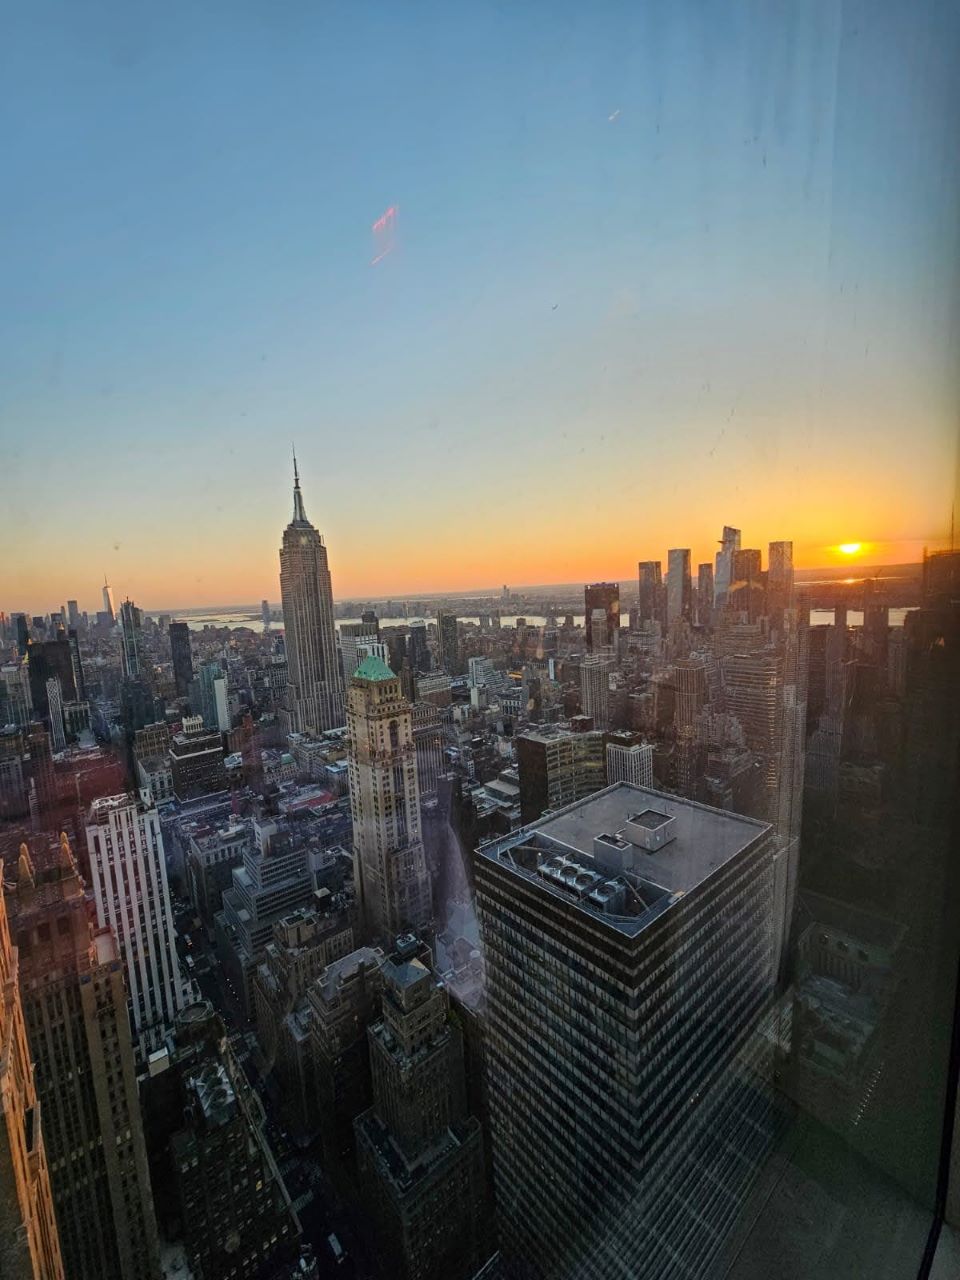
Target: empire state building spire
314,686
299,514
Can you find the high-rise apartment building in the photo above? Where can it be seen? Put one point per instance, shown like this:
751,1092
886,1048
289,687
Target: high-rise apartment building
629,962
314,686
729,543
390,865
73,613
679,586
75,1010
29,1244
132,898
181,656
595,689
557,766
605,596
419,1153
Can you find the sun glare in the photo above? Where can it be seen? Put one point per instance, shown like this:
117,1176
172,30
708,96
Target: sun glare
850,548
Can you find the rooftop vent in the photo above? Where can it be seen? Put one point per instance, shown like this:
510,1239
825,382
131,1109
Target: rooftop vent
650,829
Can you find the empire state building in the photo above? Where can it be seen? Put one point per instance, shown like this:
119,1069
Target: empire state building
314,688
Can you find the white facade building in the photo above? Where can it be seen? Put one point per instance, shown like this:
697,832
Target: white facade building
633,764
132,898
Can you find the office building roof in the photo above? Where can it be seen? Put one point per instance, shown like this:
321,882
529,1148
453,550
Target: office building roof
626,852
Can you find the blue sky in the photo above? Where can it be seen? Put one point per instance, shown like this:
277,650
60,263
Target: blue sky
595,338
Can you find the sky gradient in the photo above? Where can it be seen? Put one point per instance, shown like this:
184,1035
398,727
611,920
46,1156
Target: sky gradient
657,267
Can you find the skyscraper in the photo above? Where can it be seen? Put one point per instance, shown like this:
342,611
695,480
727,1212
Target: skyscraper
390,865
625,1071
649,607
58,740
213,697
705,594
108,598
419,1153
181,656
314,686
729,543
679,586
745,596
595,689
779,579
29,1243
50,659
417,646
75,1009
605,596
130,623
448,635
76,662
73,613
132,897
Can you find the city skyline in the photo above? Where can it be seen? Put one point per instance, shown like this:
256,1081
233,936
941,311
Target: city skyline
588,278
868,555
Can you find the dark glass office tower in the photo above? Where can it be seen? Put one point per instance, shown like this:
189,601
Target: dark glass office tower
182,657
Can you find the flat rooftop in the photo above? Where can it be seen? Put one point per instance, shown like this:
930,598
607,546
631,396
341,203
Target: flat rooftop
704,838
702,841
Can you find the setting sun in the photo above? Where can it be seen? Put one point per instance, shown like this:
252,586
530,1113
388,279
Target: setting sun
850,548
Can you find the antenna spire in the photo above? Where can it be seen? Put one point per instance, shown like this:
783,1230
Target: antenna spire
299,514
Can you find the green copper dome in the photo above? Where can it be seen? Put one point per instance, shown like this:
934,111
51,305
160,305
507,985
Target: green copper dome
373,668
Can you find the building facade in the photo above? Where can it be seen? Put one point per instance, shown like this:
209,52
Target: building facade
629,964
419,1153
556,767
679,586
390,864
604,596
29,1243
132,897
218,1185
314,687
75,1010
182,657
